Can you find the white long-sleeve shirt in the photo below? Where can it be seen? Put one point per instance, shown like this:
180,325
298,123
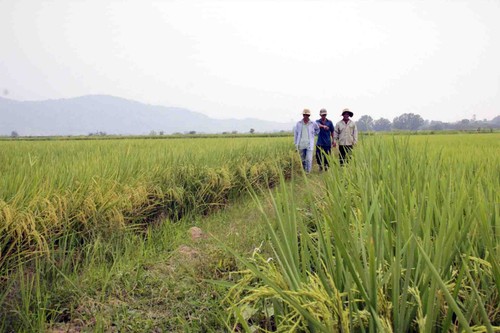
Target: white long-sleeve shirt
311,128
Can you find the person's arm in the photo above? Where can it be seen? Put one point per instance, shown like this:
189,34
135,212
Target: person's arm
316,128
331,128
296,136
336,134
321,125
355,134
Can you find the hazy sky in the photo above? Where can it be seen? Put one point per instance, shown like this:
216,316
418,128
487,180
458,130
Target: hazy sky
261,59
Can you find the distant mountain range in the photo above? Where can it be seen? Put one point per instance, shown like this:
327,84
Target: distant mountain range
113,115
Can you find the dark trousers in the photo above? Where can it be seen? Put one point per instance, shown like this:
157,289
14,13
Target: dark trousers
321,155
345,154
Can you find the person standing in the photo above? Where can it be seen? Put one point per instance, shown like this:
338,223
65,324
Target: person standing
346,135
304,132
325,140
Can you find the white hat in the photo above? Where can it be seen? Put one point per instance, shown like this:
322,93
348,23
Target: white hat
349,112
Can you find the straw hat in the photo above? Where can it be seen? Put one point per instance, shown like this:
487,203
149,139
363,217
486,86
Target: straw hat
322,112
346,110
306,111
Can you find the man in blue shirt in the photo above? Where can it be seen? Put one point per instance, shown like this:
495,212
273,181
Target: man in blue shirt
325,140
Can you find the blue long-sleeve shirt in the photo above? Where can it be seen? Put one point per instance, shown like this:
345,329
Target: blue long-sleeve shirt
325,135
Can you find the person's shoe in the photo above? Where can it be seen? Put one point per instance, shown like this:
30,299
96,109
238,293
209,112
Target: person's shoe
320,168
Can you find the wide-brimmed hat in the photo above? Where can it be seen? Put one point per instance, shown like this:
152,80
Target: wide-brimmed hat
346,110
306,111
322,112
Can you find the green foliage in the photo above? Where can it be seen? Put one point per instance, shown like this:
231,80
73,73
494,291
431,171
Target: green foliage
97,187
62,203
404,238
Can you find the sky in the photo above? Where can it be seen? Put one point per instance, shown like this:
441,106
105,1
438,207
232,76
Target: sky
259,59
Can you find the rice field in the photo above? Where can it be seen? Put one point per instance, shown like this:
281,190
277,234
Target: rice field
51,188
405,238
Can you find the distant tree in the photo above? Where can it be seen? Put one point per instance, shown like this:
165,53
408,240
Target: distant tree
161,133
382,124
192,132
98,133
408,121
234,132
252,131
152,133
14,134
365,123
435,125
464,124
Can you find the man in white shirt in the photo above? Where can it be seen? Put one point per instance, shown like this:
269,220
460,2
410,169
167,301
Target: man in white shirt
303,135
346,135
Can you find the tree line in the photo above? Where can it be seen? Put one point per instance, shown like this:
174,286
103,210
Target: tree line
405,122
413,122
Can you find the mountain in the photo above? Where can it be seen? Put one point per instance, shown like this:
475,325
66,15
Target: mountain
113,115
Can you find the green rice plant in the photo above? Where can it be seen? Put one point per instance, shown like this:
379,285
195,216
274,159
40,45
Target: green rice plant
50,187
403,238
63,202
